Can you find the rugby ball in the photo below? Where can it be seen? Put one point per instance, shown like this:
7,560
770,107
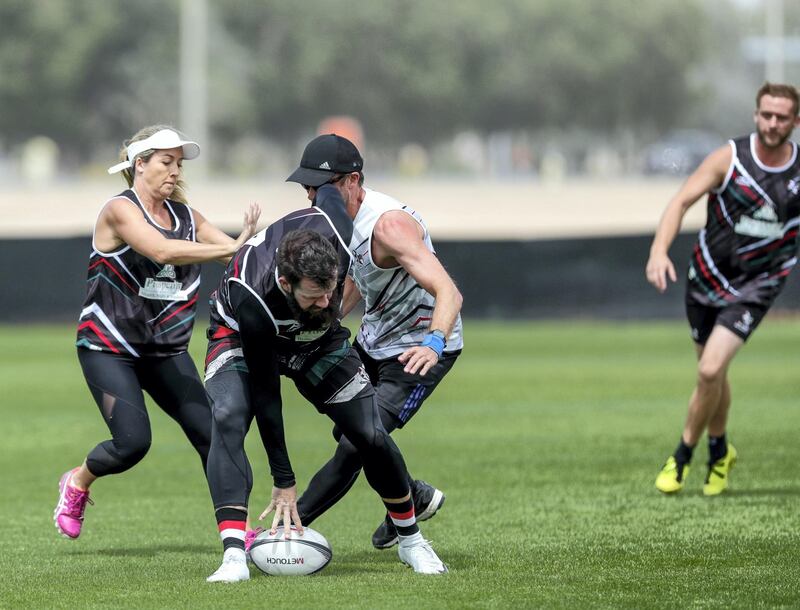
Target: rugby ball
298,556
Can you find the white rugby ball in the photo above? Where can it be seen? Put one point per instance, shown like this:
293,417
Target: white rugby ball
298,556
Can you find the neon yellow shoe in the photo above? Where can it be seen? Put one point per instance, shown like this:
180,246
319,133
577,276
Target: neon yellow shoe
671,478
717,477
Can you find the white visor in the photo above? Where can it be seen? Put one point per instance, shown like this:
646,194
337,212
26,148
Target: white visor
160,140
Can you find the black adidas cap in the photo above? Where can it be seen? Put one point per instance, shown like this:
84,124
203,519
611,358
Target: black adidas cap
324,157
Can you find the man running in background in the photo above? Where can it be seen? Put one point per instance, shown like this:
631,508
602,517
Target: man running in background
738,267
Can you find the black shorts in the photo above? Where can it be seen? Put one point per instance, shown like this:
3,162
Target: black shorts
739,318
331,374
401,393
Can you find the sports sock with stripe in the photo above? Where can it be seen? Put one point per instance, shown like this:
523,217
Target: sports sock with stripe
403,517
231,523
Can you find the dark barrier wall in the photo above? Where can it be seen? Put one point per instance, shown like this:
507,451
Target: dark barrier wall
43,279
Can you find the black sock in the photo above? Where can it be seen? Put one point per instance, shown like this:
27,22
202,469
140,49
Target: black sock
717,448
683,454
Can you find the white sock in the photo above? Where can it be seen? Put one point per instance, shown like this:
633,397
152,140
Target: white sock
412,539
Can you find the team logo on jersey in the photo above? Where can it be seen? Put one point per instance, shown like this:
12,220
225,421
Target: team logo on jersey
287,326
764,223
310,335
743,181
793,186
162,291
766,213
167,271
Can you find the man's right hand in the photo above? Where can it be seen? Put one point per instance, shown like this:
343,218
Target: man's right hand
284,503
659,267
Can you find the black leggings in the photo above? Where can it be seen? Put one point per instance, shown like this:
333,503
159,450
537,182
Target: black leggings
336,477
399,396
229,475
116,383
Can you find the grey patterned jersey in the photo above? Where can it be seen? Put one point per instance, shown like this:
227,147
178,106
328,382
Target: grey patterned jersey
397,309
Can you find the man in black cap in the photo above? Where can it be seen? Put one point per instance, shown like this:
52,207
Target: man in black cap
326,159
410,333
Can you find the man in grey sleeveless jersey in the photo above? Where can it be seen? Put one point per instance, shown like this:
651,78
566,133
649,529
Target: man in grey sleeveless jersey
738,267
410,334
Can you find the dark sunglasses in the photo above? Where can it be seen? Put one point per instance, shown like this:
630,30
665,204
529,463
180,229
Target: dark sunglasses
333,180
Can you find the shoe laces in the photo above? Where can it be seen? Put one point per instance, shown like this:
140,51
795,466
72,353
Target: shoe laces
425,551
76,502
233,557
678,467
713,470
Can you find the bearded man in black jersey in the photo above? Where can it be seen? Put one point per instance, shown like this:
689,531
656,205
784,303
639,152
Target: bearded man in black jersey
276,313
738,267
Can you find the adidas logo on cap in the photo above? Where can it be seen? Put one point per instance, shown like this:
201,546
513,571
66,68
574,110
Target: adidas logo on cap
324,156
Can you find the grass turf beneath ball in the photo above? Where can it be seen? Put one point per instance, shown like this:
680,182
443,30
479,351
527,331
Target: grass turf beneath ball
546,438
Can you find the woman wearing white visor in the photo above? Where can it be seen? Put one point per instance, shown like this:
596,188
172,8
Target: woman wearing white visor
134,329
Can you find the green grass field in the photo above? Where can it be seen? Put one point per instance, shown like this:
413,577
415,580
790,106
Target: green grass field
546,438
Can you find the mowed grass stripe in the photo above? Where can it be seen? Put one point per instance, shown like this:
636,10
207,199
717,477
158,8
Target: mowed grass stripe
546,438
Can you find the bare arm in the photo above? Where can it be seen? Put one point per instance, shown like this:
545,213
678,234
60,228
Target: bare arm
398,238
121,222
707,176
350,297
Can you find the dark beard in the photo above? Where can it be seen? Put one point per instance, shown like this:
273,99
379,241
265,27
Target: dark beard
314,318
763,140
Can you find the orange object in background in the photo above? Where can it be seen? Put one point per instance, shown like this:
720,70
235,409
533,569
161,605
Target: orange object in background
345,126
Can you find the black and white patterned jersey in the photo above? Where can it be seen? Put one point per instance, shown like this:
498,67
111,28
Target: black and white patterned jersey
135,306
749,244
397,312
254,267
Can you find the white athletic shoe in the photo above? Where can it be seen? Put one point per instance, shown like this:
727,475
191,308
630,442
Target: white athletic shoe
233,569
416,552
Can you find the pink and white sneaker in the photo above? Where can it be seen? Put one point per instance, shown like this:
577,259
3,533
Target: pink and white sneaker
249,538
68,515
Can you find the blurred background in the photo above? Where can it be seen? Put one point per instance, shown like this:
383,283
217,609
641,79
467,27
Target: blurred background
540,139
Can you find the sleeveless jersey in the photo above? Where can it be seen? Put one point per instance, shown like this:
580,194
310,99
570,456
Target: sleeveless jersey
397,309
135,306
255,267
749,244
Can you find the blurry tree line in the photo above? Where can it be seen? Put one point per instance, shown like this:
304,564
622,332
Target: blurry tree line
89,71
